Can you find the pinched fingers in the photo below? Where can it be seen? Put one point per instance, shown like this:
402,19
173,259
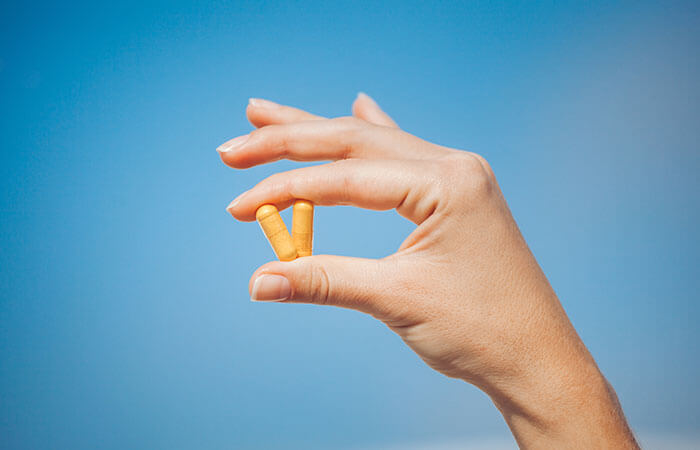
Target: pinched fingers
408,186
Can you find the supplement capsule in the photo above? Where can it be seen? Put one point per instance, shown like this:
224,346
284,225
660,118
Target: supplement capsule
276,232
303,227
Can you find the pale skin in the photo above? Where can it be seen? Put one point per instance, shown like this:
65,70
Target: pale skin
463,290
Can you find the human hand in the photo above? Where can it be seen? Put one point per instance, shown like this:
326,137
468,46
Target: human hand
463,290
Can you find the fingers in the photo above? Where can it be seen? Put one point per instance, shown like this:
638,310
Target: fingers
364,107
319,140
408,186
356,283
301,141
262,112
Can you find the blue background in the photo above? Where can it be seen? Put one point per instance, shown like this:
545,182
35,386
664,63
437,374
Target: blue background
124,312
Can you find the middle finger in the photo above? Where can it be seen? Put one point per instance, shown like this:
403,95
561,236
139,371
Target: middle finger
325,140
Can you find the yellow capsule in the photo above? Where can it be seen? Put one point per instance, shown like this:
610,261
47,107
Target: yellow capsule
276,232
303,227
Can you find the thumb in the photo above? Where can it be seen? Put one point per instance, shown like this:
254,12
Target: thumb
364,107
355,283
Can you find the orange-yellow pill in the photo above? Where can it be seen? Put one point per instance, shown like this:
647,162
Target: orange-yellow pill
303,227
276,232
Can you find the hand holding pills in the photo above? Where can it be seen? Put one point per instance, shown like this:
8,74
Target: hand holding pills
463,290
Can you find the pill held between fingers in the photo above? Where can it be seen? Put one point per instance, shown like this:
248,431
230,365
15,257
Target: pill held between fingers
276,232
303,227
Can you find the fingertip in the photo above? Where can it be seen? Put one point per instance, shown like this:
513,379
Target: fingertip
364,107
245,206
261,112
364,98
231,160
357,104
235,210
262,103
230,153
267,269
256,115
231,206
270,288
241,214
239,158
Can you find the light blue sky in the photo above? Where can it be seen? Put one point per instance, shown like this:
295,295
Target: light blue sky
124,312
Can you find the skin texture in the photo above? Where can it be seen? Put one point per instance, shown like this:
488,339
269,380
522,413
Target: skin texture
463,290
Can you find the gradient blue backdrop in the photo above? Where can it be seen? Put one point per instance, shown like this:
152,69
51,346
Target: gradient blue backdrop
124,312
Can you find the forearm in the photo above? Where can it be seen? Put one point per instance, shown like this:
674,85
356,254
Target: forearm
561,399
583,415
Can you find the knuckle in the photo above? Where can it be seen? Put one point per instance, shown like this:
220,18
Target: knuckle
278,184
348,121
258,134
470,174
275,137
319,288
348,132
345,181
485,164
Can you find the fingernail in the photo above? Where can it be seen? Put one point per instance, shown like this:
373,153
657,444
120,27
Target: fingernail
234,203
262,103
232,144
271,288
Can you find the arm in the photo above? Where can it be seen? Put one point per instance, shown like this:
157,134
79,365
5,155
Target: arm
463,290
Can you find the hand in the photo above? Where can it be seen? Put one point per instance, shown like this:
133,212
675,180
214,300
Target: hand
463,290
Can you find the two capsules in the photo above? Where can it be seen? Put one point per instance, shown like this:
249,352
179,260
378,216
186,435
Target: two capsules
288,247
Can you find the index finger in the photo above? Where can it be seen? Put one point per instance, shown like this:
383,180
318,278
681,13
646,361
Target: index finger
407,186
